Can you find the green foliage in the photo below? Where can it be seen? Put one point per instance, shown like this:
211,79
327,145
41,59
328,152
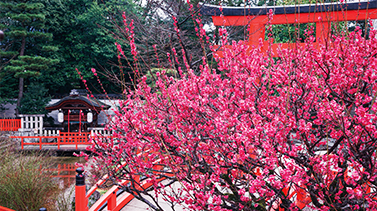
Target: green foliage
26,34
290,33
24,185
151,75
83,31
8,86
340,27
8,53
35,100
27,66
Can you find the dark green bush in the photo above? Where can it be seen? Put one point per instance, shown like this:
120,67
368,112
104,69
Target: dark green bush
35,100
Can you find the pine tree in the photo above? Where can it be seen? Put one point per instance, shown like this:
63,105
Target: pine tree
25,50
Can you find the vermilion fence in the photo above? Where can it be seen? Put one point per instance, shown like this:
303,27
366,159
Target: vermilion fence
114,202
10,124
73,139
5,209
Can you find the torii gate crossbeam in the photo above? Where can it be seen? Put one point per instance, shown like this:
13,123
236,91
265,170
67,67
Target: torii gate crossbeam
322,14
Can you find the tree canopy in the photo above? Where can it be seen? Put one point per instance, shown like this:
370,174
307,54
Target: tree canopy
40,33
83,32
29,53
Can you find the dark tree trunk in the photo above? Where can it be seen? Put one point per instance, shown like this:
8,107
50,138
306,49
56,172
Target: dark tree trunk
21,80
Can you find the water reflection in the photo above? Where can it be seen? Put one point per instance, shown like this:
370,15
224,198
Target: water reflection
64,169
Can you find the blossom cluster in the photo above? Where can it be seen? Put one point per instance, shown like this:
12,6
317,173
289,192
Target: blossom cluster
255,133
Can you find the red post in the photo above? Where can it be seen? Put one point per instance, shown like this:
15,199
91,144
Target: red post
80,121
75,138
302,198
80,191
58,141
257,31
68,119
322,31
112,202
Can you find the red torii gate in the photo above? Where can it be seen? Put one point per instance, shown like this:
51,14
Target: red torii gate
322,14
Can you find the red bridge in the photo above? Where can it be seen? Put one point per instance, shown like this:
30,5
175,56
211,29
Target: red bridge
64,141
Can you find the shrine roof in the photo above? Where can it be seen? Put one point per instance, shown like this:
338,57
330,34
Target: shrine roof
89,102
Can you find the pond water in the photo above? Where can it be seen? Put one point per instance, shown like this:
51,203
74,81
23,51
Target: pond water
64,169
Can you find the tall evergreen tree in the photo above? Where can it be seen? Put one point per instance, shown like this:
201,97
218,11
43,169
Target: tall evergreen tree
25,52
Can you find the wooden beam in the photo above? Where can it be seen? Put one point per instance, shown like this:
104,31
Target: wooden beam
350,15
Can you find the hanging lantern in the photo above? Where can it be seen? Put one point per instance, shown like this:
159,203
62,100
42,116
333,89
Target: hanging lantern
60,116
89,116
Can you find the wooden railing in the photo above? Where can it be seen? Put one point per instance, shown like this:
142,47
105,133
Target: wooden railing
74,138
114,203
10,124
63,139
5,209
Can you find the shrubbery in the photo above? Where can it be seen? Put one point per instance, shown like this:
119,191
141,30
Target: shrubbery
24,185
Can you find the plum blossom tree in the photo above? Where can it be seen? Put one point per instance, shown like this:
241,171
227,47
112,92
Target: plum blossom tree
254,133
